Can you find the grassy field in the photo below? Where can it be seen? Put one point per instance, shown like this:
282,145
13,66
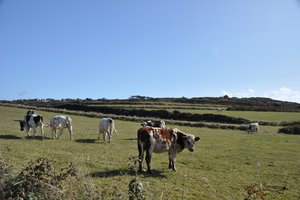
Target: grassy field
224,162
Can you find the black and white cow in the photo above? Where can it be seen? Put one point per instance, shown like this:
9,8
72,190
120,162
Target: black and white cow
30,112
60,122
159,140
106,127
156,124
32,121
253,127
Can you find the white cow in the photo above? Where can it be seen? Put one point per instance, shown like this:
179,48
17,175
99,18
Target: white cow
32,121
60,122
106,127
253,127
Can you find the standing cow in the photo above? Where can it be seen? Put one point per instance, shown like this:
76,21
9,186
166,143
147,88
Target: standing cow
253,127
157,124
159,140
32,121
106,127
61,122
30,112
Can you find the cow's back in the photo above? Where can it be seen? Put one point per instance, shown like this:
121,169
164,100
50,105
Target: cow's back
57,121
158,139
105,124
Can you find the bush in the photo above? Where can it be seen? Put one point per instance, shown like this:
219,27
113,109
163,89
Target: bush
39,180
294,130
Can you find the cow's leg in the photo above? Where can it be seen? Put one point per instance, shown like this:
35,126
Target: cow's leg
52,132
99,134
60,132
141,156
71,132
109,136
148,160
34,131
28,131
42,131
104,135
172,160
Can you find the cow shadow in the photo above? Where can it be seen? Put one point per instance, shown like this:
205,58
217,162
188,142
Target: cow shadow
86,140
116,172
130,139
110,173
37,137
10,137
13,137
155,173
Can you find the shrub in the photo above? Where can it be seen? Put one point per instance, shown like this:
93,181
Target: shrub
39,180
295,130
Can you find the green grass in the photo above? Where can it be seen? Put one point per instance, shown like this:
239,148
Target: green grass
223,163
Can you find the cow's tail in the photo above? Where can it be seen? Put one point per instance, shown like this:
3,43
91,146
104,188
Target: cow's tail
42,121
112,127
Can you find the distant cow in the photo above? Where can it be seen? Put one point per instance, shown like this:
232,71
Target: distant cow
160,140
32,121
30,112
60,122
157,124
106,127
253,127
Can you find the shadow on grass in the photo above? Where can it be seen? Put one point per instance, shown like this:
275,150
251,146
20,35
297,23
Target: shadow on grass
9,137
13,137
86,140
116,172
130,139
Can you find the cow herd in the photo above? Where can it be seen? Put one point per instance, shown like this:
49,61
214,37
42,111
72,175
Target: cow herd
152,137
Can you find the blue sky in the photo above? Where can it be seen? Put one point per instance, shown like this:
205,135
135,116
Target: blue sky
160,48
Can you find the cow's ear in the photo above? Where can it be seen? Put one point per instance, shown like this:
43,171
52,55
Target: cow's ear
197,139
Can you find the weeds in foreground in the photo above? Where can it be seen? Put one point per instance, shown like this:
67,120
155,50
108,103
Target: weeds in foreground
37,181
254,191
261,193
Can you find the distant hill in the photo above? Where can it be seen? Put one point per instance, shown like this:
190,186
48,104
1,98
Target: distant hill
239,104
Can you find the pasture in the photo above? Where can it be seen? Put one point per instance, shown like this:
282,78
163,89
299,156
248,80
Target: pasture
224,161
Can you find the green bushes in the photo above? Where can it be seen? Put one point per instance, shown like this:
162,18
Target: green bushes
295,130
162,114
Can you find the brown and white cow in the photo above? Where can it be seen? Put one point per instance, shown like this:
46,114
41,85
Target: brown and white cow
159,140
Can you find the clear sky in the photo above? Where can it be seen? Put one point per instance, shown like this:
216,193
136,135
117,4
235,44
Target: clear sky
114,49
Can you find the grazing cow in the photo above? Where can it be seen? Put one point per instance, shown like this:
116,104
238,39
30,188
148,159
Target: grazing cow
157,124
219,109
106,127
159,140
32,121
253,127
60,122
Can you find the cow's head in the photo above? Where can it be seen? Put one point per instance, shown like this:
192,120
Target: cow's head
22,125
189,142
